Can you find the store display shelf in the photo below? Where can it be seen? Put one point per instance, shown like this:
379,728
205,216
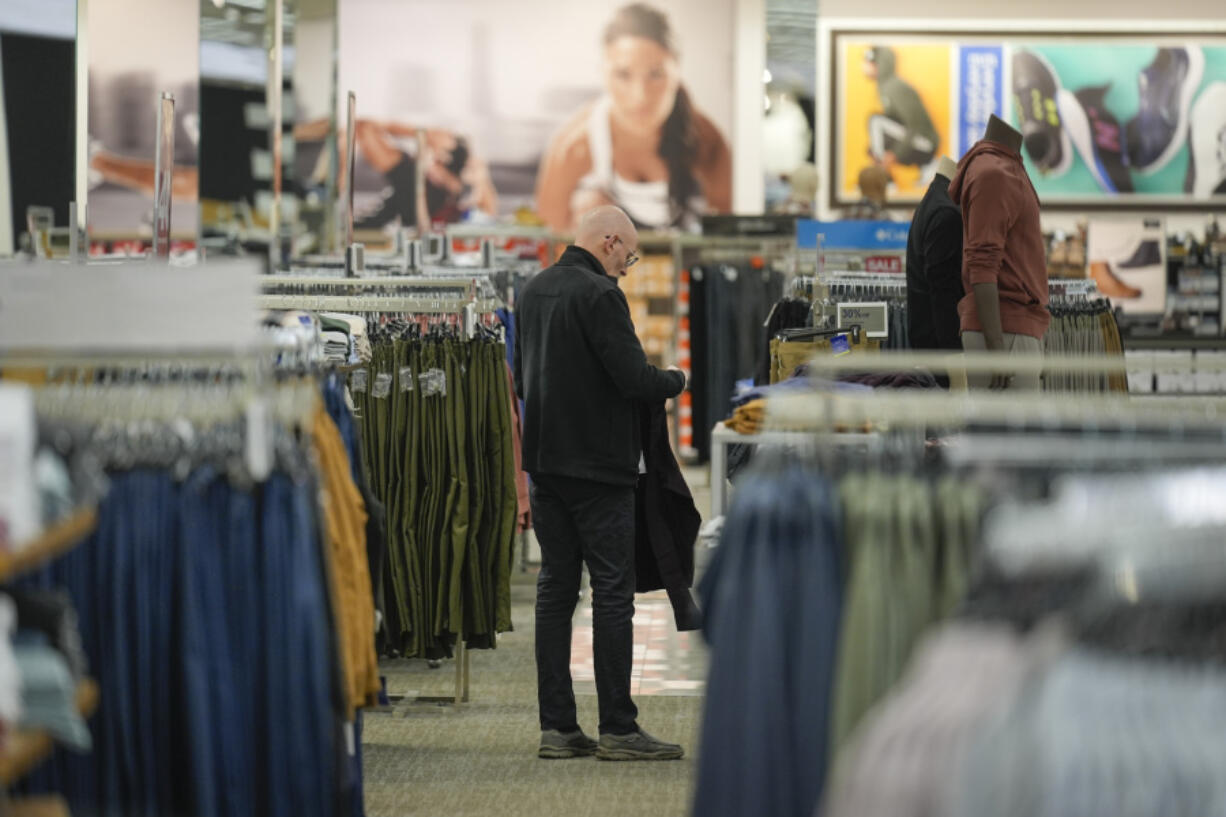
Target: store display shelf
25,749
56,540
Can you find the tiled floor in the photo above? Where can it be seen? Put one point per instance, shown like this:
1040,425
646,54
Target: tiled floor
666,662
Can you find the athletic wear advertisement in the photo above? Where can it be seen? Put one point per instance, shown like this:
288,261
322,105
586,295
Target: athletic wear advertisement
1106,119
1122,120
548,106
897,110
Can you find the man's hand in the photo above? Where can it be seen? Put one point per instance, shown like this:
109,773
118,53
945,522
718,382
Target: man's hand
685,381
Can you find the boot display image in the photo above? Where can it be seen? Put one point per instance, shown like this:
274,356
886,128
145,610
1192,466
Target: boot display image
1128,262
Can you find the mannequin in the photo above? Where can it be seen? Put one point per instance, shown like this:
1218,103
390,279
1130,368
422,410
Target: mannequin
1002,132
934,266
1004,268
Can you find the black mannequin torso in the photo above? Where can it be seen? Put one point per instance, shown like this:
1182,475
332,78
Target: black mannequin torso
1002,132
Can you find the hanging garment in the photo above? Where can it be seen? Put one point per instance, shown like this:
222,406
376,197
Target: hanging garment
771,601
437,429
789,313
1103,736
667,522
907,757
376,519
1084,328
204,613
813,603
353,600
908,558
729,305
524,507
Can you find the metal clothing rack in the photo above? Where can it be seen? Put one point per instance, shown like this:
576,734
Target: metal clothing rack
467,297
1115,428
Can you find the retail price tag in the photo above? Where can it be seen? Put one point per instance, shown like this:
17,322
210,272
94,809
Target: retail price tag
358,380
872,317
382,387
406,379
840,345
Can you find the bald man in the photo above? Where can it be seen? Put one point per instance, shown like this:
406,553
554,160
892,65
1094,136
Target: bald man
580,370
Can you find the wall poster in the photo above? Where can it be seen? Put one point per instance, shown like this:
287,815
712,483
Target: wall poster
1111,120
545,105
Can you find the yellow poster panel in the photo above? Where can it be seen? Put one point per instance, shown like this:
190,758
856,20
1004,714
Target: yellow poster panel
896,99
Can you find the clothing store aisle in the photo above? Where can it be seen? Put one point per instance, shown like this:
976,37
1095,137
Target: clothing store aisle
425,760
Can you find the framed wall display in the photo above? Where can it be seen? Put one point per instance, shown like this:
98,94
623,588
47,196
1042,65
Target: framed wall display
1128,116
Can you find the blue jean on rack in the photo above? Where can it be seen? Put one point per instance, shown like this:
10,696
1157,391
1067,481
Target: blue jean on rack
204,613
772,599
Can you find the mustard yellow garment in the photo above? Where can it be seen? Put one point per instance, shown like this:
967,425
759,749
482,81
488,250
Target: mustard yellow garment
345,527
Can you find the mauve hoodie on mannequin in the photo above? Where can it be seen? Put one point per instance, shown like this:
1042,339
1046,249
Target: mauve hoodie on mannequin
1002,241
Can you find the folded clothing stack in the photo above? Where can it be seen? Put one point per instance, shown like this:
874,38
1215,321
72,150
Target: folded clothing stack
41,663
748,419
338,348
355,328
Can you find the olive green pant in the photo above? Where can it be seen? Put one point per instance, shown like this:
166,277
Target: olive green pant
444,466
908,549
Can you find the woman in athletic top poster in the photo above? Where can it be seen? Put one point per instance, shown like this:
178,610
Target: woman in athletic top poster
642,145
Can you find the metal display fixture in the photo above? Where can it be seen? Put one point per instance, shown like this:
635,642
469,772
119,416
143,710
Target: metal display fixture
163,180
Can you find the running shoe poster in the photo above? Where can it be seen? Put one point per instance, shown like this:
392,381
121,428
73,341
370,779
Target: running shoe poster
1108,120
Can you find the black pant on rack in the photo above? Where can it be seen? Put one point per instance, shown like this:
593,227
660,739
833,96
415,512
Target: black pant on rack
580,521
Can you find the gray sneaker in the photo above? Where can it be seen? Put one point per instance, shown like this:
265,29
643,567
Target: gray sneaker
557,745
637,746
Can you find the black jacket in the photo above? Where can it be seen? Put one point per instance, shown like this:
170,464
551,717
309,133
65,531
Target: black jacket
666,522
579,368
934,270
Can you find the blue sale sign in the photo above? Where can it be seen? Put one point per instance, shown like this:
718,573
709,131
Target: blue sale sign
852,235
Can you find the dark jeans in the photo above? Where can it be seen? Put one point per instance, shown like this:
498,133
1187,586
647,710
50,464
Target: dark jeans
578,521
204,612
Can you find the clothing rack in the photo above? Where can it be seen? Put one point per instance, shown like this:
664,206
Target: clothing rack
390,304
143,422
805,419
467,297
1018,431
454,291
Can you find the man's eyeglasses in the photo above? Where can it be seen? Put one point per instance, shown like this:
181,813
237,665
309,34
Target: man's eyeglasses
632,257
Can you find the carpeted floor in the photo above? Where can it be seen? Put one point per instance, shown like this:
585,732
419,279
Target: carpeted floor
479,759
